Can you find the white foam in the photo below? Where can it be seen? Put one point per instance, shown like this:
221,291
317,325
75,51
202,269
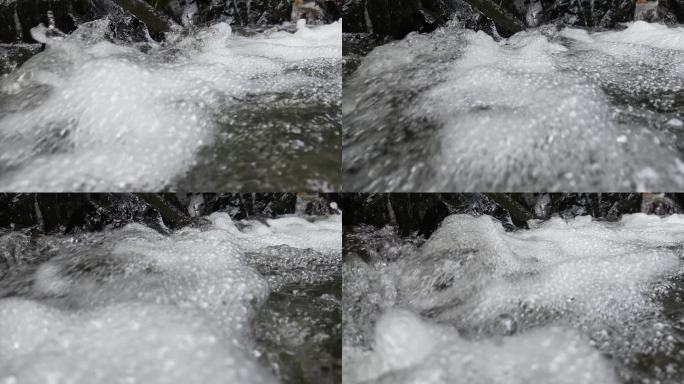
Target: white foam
651,34
586,270
542,124
300,233
88,114
118,343
132,305
409,350
543,109
548,302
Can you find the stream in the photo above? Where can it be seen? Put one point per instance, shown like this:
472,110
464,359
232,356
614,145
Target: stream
567,301
208,109
549,109
251,301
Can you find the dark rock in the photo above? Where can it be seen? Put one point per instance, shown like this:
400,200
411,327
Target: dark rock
676,7
131,19
355,18
316,204
506,23
422,213
355,46
242,205
241,12
14,55
588,13
419,213
70,213
136,12
583,13
396,19
400,17
605,206
661,204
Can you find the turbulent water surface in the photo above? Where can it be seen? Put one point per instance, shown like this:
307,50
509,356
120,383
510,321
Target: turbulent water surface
577,301
208,109
222,302
554,108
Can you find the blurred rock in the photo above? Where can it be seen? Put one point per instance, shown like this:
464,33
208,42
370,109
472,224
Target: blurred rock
422,213
72,213
131,20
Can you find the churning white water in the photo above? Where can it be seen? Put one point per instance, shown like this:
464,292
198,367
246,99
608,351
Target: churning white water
93,113
576,301
551,109
132,305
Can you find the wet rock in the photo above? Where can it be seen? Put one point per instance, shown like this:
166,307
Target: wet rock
265,205
245,12
242,205
659,204
395,18
12,246
315,204
131,19
14,55
138,14
509,16
419,213
356,19
506,23
675,7
595,13
72,213
355,46
398,18
422,214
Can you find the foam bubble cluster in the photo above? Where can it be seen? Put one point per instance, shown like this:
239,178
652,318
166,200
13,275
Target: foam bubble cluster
91,113
567,301
133,305
544,109
410,350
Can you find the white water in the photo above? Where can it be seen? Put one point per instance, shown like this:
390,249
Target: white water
89,114
132,305
577,301
544,109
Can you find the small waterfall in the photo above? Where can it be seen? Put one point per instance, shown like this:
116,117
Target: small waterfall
369,23
51,19
18,27
390,211
189,13
196,205
646,10
300,205
39,214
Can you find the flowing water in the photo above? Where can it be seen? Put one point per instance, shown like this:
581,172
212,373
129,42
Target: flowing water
209,109
576,301
208,303
553,108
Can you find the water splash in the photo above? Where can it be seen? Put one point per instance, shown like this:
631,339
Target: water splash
569,301
456,109
94,113
134,305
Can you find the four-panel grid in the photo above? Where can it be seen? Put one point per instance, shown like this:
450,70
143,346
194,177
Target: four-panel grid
342,191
